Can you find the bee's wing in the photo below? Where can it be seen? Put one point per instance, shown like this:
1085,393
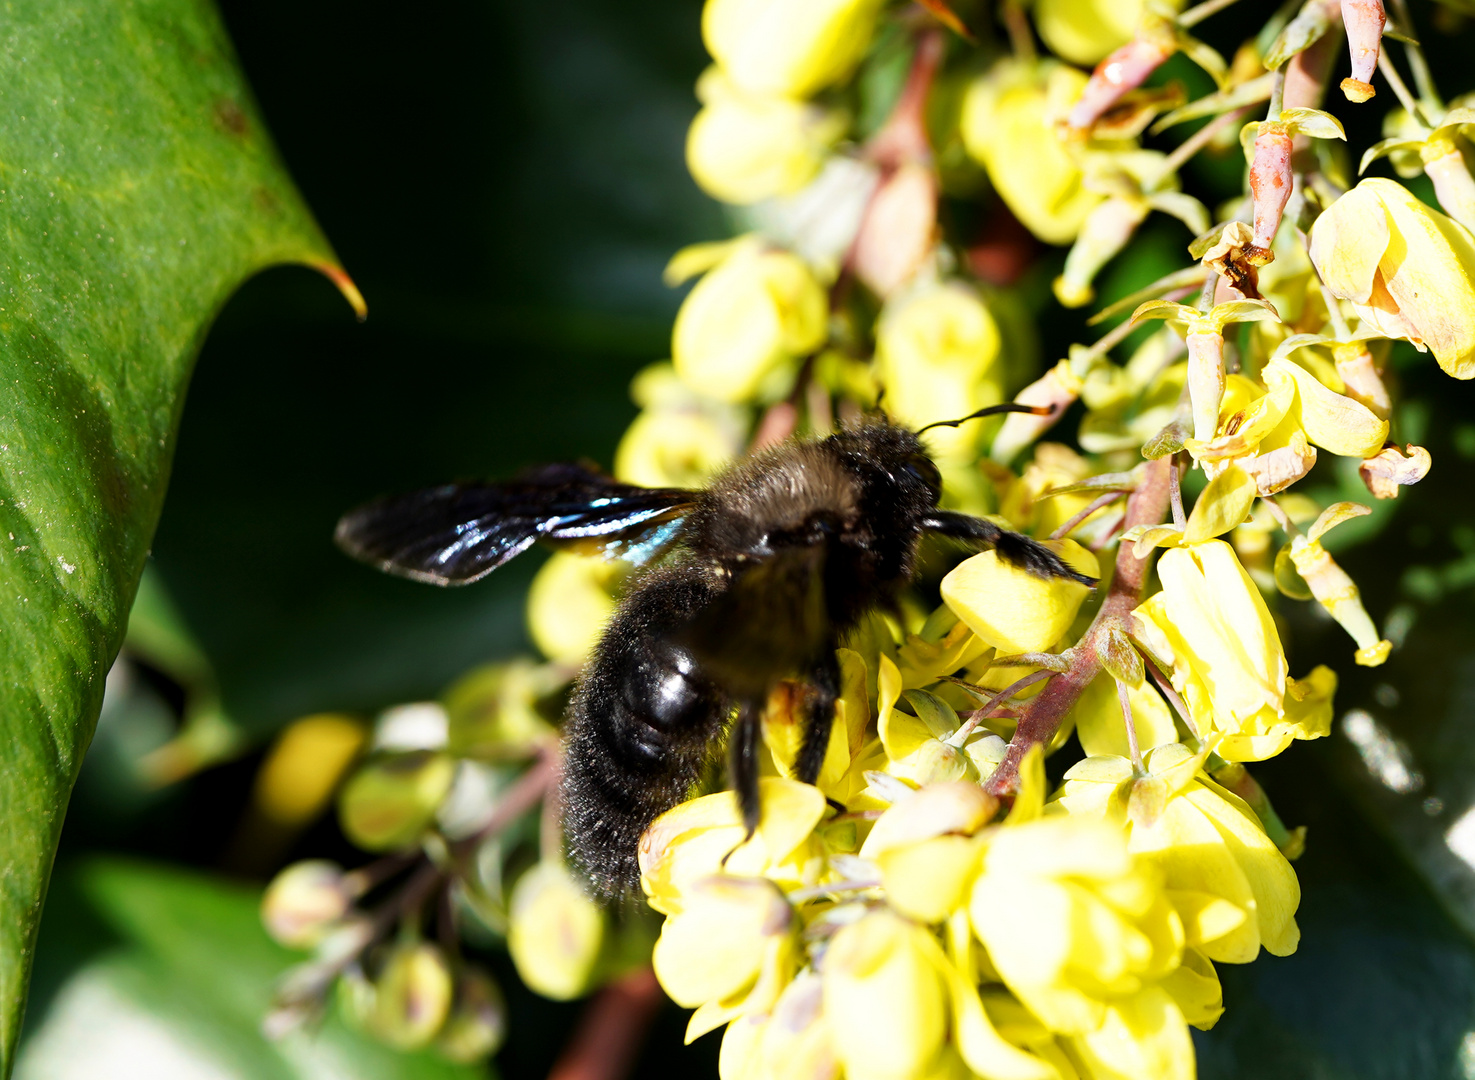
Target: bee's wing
458,533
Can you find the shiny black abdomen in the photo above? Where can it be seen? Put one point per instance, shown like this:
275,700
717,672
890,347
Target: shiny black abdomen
644,726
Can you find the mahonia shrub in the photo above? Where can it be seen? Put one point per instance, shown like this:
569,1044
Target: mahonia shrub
933,906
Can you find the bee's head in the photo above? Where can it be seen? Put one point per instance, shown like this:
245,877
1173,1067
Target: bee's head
883,455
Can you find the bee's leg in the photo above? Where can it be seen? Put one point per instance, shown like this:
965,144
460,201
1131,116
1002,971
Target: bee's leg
824,686
743,762
1023,551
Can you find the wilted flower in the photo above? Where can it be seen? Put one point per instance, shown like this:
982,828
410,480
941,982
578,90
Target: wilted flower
1364,20
788,48
1331,586
1408,271
756,311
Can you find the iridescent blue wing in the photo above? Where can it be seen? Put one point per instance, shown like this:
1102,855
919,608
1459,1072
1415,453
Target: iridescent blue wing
459,533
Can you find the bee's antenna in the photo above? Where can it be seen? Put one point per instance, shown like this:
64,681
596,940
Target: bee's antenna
992,410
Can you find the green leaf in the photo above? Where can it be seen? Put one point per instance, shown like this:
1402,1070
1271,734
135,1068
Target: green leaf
180,989
138,190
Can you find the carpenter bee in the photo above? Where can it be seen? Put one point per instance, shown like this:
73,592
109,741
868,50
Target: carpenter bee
754,579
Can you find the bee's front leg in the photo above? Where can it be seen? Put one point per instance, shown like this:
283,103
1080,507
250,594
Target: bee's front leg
1023,551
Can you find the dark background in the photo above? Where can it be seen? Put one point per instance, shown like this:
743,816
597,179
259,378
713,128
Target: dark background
504,182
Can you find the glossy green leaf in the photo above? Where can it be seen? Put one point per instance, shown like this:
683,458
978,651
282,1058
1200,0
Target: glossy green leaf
138,189
180,990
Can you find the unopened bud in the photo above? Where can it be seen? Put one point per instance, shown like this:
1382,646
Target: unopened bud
1270,181
1125,69
412,996
1205,382
391,800
1364,20
555,932
478,1022
304,902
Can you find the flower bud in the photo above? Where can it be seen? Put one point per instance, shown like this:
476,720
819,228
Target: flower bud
743,148
555,932
412,996
305,764
1008,126
1364,20
1408,270
1125,69
304,902
885,997
1270,182
491,711
936,352
478,1021
1012,609
1205,381
391,799
788,48
756,312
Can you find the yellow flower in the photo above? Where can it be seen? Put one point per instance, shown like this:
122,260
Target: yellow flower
790,48
757,312
1141,1036
1102,728
1012,609
937,350
1408,271
1009,126
1084,31
1220,632
927,848
1211,626
680,439
704,837
728,930
555,932
569,603
1071,920
1232,888
792,1042
885,998
742,148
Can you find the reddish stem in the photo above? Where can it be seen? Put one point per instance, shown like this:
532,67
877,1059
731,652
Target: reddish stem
1042,716
610,1033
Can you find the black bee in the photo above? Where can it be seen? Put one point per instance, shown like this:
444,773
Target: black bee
754,579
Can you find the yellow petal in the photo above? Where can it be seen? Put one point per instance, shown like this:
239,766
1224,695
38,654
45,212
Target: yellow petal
1331,420
1012,609
788,47
1222,505
1144,1036
1101,727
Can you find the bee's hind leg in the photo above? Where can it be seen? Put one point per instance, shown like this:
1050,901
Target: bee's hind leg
819,716
743,765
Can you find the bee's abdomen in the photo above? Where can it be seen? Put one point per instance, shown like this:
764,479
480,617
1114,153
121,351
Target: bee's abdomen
642,729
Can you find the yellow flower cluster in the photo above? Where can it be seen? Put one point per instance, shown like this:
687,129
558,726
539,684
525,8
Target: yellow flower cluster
919,933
